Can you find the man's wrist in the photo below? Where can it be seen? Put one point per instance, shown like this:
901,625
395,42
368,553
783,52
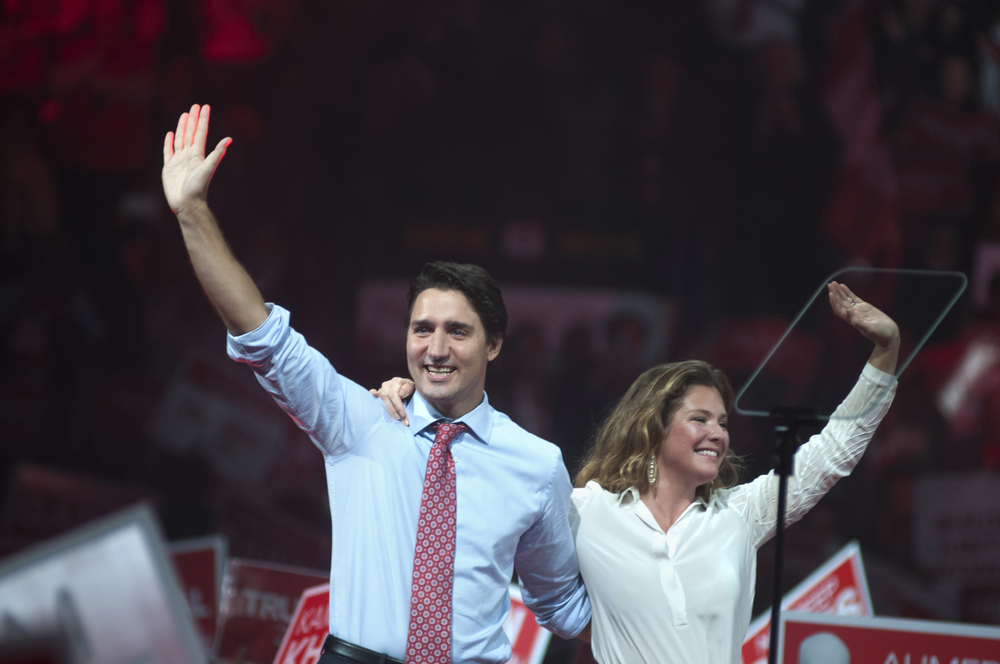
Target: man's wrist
191,210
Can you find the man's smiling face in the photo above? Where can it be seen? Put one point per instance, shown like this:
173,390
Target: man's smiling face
447,351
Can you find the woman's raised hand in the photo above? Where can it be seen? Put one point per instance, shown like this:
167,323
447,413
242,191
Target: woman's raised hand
865,318
869,321
186,170
392,393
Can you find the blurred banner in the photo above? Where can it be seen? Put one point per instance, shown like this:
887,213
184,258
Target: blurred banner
258,601
215,408
309,626
260,531
107,588
200,564
381,311
897,592
844,639
957,522
838,587
42,503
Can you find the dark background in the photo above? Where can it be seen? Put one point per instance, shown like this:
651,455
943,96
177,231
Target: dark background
721,157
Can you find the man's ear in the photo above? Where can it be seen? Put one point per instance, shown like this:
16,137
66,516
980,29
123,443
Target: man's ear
493,349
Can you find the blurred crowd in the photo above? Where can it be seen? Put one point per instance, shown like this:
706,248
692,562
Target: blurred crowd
722,157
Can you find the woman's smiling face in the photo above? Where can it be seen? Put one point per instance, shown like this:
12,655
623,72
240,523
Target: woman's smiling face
697,440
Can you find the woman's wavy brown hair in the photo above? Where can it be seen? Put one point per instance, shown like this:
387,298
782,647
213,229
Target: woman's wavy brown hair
619,456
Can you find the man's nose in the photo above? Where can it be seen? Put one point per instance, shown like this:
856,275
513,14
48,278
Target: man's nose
438,347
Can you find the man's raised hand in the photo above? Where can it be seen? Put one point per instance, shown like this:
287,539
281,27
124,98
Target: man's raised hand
186,169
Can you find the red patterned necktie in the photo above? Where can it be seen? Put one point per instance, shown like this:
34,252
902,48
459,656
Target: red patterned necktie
429,640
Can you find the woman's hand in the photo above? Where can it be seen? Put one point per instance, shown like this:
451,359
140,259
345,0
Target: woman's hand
392,393
870,322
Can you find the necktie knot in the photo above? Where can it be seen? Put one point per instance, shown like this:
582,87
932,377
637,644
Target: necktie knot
447,431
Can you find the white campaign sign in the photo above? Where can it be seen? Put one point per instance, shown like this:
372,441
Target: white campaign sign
108,588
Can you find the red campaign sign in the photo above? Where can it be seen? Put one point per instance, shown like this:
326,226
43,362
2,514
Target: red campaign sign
844,639
528,641
303,642
838,587
258,602
199,565
309,626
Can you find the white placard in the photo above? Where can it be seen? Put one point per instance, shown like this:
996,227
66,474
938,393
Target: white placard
109,587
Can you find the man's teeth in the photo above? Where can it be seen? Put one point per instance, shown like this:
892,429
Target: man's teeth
440,371
710,453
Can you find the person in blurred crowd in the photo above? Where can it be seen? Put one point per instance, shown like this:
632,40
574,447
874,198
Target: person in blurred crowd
667,541
430,520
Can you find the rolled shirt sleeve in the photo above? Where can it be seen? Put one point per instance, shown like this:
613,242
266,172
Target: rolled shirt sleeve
826,458
547,567
334,411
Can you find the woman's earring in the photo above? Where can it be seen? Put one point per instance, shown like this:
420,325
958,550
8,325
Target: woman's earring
651,473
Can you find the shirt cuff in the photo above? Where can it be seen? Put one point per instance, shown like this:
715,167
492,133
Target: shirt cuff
259,344
877,376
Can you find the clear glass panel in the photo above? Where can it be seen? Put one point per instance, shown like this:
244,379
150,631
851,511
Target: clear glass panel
818,358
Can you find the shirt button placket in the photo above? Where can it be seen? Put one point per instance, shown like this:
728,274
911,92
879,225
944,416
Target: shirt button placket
662,550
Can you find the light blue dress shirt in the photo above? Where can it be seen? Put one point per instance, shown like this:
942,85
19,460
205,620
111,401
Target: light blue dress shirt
513,495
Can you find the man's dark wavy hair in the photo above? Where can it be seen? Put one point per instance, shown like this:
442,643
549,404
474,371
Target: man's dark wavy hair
474,283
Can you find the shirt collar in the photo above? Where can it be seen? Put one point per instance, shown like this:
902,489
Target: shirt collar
479,420
630,496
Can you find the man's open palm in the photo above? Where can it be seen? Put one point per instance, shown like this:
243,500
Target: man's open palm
186,169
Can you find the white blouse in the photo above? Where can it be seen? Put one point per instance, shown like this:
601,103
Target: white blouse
685,596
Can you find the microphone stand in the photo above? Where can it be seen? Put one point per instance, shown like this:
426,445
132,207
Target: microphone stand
787,423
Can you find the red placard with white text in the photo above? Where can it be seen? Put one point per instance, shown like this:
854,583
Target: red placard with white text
308,629
199,564
838,587
310,624
842,639
258,603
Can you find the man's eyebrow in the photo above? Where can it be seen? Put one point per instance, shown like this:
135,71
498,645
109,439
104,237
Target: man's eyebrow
451,324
